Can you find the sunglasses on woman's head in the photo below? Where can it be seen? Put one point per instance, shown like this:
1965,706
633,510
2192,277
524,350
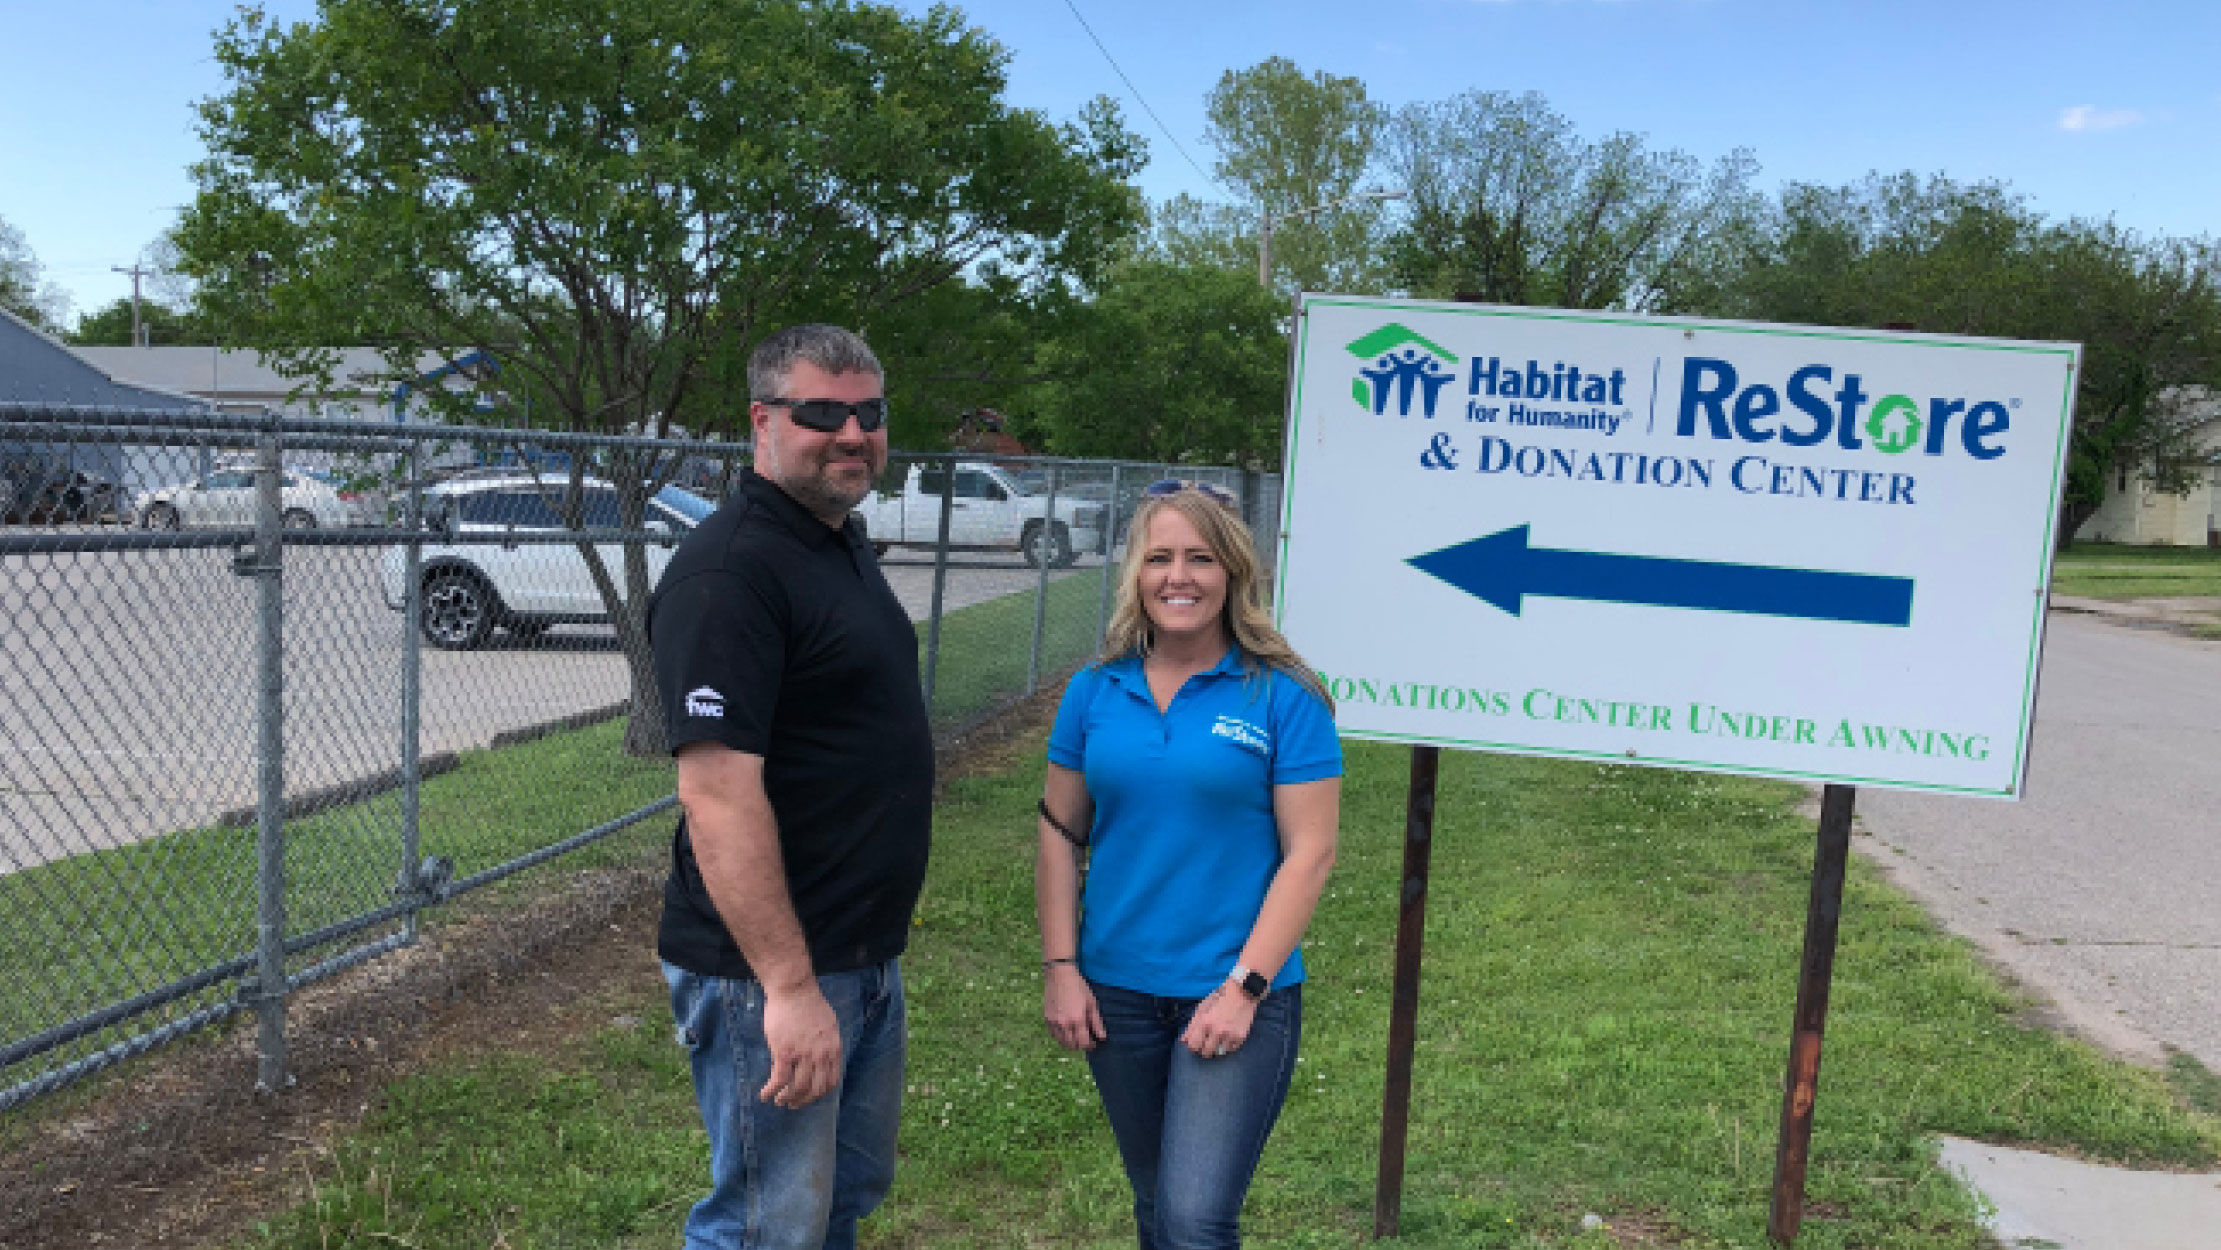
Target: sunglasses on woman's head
829,415
1209,490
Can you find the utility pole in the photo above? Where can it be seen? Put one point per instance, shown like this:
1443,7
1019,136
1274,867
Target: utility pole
138,327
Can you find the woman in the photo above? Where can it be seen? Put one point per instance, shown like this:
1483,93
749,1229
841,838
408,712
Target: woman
1197,762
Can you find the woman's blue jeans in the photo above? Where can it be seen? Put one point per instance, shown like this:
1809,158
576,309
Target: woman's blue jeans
799,1179
1190,1130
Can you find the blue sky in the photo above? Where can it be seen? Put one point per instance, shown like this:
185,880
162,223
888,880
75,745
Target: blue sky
2095,110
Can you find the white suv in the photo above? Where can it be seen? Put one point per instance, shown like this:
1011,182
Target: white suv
471,588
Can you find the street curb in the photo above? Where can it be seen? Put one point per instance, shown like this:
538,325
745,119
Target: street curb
343,793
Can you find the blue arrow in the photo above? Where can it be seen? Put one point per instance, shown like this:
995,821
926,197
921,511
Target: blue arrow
1502,568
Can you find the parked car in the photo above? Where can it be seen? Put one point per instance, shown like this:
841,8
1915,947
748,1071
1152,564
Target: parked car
362,508
471,589
225,498
38,492
991,507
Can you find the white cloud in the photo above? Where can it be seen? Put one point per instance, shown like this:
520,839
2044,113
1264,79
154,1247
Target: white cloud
2082,117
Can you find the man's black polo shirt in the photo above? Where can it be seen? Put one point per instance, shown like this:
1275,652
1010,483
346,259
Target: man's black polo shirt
777,635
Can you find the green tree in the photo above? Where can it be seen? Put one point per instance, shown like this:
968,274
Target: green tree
1286,141
1510,205
1169,362
616,198
165,326
24,289
1975,259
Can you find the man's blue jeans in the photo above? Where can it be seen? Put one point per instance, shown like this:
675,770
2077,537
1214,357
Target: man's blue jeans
1190,1130
800,1179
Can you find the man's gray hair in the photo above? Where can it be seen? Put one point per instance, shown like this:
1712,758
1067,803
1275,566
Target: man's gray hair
828,347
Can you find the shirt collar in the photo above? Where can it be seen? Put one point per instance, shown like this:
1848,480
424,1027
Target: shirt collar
815,534
1127,671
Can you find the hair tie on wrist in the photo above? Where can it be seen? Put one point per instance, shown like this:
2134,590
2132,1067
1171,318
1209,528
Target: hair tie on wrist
1076,839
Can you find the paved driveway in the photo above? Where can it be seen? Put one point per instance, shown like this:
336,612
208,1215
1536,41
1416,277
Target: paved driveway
2102,887
128,684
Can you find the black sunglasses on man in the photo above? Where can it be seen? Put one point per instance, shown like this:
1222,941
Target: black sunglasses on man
827,416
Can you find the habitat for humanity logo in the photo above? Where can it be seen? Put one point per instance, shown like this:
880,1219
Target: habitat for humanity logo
1402,363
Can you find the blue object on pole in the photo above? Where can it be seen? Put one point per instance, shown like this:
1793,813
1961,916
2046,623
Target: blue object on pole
1502,568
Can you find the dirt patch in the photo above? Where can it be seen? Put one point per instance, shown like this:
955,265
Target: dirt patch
173,1149
1643,1230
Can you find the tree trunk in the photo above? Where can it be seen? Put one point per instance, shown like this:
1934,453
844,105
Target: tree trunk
645,729
2072,513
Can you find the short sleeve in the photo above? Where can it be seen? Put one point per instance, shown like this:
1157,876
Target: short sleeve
720,645
1068,736
1305,745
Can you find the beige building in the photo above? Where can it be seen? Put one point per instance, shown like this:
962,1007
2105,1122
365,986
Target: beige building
2137,512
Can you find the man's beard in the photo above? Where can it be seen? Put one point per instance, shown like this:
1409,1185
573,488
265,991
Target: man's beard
814,489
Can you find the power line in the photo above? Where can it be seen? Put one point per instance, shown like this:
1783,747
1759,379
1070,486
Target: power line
1136,91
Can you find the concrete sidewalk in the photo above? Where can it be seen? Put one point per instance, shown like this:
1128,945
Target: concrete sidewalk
2041,1201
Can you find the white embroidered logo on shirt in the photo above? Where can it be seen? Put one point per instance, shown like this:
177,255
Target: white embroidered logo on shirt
1242,732
703,701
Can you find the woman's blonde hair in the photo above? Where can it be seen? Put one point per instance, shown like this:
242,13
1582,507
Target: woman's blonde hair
1262,648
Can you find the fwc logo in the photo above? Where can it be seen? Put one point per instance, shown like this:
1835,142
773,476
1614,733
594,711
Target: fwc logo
1402,362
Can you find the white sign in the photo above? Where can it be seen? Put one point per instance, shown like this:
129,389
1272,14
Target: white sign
1769,549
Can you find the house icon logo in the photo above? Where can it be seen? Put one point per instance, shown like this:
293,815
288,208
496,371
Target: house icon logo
1894,424
1397,363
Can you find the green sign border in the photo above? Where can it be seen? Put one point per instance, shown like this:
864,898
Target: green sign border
2071,352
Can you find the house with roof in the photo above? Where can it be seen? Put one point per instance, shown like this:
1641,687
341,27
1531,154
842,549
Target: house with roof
2137,511
37,368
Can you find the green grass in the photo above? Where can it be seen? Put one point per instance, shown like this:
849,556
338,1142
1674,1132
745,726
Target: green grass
2194,1082
984,648
2119,571
95,928
1611,962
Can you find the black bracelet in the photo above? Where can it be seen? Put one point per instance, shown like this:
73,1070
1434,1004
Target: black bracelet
1079,840
1048,962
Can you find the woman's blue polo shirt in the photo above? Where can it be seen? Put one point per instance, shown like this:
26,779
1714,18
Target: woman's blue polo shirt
1184,843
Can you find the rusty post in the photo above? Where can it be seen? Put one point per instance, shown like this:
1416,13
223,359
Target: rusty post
1403,1011
1813,979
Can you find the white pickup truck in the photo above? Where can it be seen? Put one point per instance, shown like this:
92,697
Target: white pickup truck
992,507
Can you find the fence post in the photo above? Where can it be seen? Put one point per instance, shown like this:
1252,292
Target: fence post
1048,550
1110,542
940,580
412,679
268,570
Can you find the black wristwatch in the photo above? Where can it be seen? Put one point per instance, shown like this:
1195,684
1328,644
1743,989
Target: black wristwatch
1249,982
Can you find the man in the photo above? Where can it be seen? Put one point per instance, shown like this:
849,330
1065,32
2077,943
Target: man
790,677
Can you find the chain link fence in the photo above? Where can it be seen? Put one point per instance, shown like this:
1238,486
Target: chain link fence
229,765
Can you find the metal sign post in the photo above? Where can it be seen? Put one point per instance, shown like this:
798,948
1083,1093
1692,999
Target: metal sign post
1403,1010
1814,978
